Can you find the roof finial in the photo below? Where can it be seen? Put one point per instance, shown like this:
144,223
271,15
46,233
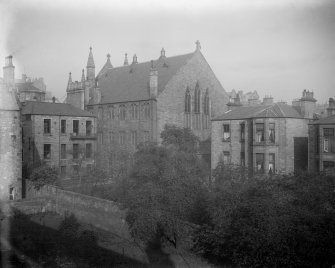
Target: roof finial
70,77
90,61
125,60
198,46
83,75
134,59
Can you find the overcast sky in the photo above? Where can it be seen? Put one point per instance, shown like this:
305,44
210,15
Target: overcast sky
275,47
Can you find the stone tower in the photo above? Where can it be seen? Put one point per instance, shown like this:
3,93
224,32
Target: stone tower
79,92
10,136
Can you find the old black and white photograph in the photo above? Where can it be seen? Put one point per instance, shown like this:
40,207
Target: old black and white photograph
167,134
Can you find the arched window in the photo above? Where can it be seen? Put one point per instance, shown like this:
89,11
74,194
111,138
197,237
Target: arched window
206,103
187,101
197,98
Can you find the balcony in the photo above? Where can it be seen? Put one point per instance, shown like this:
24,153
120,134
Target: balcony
80,136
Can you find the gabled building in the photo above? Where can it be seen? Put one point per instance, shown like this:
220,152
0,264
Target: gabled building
59,135
263,138
133,102
321,152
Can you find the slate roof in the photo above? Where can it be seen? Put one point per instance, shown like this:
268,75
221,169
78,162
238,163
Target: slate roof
275,110
47,108
330,120
131,83
27,86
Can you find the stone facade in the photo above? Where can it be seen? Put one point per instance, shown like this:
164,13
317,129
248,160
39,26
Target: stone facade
10,137
157,96
68,146
321,140
281,146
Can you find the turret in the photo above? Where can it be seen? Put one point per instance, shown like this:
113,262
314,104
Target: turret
90,67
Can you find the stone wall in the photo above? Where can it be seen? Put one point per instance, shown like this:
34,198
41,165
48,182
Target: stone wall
101,213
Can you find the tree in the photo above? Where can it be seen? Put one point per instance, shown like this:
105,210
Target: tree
163,188
43,175
269,221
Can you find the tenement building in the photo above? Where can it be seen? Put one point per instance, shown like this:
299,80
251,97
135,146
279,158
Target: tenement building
135,101
321,153
59,135
10,136
268,138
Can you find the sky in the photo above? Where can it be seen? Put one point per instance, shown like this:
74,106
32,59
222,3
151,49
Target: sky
278,48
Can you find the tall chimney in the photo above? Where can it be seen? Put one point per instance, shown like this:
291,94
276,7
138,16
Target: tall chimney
8,72
153,81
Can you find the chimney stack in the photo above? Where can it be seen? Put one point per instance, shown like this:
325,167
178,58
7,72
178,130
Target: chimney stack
267,100
8,72
125,63
153,81
134,59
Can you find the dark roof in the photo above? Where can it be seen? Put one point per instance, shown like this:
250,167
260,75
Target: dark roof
27,86
330,120
275,110
47,108
131,83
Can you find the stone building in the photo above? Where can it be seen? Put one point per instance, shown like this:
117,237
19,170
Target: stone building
133,102
59,135
321,151
33,89
263,138
10,136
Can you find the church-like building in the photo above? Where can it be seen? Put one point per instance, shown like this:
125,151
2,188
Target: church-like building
134,102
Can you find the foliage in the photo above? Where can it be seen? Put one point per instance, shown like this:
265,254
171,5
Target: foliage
164,186
43,175
286,221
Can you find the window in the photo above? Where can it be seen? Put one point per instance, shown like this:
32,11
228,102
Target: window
75,151
242,131
242,162
28,117
88,128
100,137
112,112
75,127
63,171
197,98
122,112
226,132
272,166
63,151
328,165
63,126
47,151
272,132
328,140
226,157
133,136
187,101
146,110
134,112
206,103
146,136
260,162
75,169
89,168
100,111
47,126
88,150
259,132
122,137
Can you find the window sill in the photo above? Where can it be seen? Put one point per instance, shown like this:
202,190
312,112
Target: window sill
225,140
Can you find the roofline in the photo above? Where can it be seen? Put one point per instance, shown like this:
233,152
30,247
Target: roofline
59,114
120,102
246,118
